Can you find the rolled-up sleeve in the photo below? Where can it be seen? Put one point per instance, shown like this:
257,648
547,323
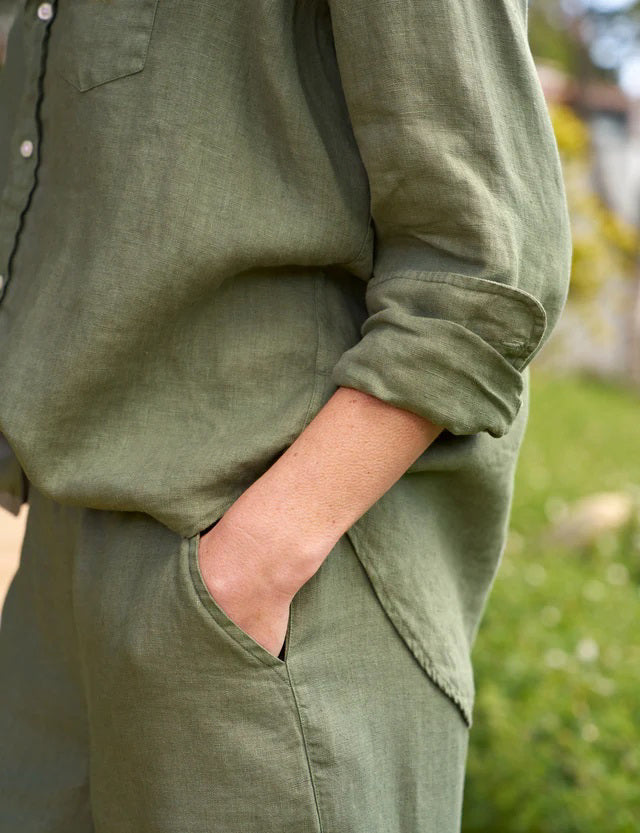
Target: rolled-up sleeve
472,245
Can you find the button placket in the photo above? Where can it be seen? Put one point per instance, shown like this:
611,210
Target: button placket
21,181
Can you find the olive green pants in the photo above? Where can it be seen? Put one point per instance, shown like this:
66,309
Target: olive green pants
130,702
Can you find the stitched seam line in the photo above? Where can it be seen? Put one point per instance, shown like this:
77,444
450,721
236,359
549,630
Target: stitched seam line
127,73
483,286
306,750
507,291
492,290
204,598
416,646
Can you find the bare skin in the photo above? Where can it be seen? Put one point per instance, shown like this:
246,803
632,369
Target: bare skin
279,531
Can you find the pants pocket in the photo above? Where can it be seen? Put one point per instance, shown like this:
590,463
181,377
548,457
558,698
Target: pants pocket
222,621
193,725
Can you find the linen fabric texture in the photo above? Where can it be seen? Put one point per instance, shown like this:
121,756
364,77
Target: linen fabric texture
136,705
231,209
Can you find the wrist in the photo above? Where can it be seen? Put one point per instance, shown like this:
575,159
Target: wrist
269,550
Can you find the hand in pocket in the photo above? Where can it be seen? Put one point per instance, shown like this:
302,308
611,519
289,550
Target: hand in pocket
236,572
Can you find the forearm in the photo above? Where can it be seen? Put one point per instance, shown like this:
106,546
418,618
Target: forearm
349,455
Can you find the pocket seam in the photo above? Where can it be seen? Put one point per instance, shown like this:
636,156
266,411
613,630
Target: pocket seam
223,621
72,74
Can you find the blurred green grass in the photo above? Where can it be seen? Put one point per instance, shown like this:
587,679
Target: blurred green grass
556,743
583,436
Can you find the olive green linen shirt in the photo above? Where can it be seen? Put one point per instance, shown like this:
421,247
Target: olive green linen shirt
214,214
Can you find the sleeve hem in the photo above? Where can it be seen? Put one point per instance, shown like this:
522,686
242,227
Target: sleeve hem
526,318
447,346
454,379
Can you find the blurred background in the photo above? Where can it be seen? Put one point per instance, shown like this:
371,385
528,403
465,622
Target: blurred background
556,742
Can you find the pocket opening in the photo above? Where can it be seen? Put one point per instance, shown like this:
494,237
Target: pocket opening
223,621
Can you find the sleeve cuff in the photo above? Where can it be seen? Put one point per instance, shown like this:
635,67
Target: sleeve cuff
447,346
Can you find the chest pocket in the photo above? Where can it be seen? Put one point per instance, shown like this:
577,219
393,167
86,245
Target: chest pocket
96,41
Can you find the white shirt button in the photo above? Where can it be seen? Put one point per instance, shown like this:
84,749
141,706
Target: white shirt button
26,148
45,11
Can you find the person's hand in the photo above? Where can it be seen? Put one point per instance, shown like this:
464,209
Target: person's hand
240,571
278,532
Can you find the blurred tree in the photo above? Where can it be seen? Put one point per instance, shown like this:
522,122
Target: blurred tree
603,243
588,39
553,38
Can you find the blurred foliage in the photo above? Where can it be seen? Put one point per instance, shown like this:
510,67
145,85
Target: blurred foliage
555,746
588,39
553,41
572,134
603,243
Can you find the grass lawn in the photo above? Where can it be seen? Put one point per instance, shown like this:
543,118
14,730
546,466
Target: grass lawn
556,742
